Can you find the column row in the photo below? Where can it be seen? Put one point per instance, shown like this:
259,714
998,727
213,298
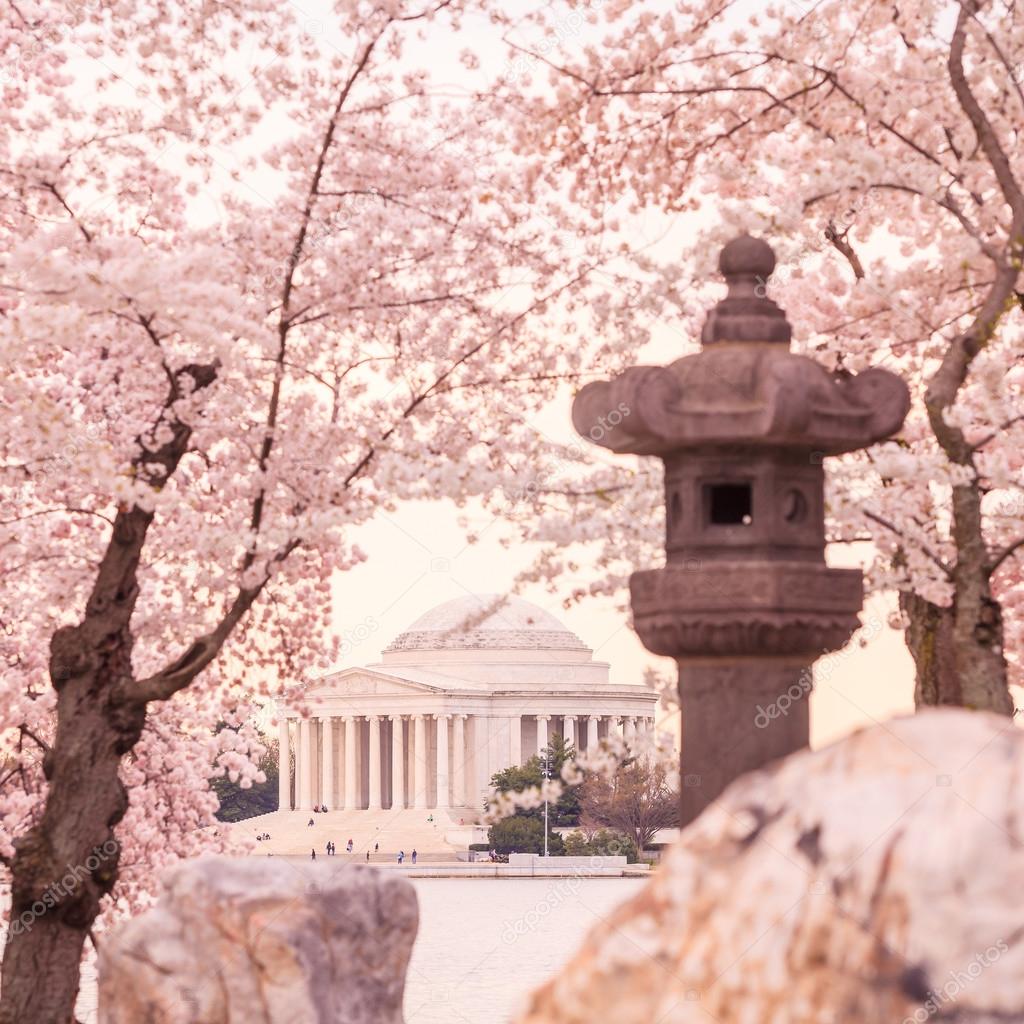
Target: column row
402,763
582,731
396,766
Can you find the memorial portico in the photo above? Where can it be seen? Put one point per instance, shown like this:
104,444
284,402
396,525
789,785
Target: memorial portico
474,686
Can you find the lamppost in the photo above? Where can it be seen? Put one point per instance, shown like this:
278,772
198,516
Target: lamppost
745,602
546,774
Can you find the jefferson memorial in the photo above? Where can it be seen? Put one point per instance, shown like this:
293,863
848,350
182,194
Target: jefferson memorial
473,686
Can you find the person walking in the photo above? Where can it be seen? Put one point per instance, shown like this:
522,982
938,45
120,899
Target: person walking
367,856
314,853
414,856
376,847
401,856
311,821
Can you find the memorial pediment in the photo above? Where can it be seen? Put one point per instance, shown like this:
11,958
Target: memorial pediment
360,682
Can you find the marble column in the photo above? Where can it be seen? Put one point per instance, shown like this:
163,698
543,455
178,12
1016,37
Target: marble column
305,766
397,764
592,724
351,782
630,732
542,733
515,739
284,767
459,761
420,762
569,731
327,768
375,803
442,761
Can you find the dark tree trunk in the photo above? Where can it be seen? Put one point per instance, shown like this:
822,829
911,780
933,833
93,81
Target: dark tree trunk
65,864
68,861
958,650
930,639
979,659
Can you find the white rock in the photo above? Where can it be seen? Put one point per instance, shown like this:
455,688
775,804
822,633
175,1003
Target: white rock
263,941
879,879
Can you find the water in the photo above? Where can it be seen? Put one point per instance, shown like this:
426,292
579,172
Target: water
483,943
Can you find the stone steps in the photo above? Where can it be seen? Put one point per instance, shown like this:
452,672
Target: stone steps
292,835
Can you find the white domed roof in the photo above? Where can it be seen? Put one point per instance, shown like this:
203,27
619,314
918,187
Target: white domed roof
486,622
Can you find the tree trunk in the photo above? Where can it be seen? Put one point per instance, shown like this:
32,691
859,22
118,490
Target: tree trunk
977,616
958,650
67,862
929,637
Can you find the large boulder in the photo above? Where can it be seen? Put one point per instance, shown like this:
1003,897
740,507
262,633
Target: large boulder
263,941
879,879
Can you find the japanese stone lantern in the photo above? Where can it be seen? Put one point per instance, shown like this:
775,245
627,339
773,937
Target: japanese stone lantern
745,602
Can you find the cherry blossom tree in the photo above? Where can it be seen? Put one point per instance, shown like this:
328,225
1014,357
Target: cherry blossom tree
259,281
878,148
639,800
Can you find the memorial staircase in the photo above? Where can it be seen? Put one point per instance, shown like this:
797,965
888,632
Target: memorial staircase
409,829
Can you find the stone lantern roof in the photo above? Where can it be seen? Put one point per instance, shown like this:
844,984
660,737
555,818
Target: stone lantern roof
744,387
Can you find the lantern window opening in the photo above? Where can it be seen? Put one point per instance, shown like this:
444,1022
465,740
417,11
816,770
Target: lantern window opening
729,504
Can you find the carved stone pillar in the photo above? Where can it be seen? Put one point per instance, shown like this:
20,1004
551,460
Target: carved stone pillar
569,731
305,766
419,754
592,740
397,764
375,803
351,782
443,800
327,768
459,761
284,767
542,733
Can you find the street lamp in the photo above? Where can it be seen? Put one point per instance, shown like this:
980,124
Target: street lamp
546,774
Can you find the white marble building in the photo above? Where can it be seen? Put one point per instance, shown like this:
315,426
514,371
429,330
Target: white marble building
473,686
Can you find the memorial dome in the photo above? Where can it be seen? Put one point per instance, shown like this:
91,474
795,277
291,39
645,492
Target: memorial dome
493,622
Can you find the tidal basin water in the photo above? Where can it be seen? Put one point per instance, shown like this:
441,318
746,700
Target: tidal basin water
483,943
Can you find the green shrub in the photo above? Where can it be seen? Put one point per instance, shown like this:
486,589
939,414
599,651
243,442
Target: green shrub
576,844
604,843
522,835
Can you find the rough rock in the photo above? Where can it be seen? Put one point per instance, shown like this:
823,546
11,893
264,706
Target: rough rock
876,880
254,941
